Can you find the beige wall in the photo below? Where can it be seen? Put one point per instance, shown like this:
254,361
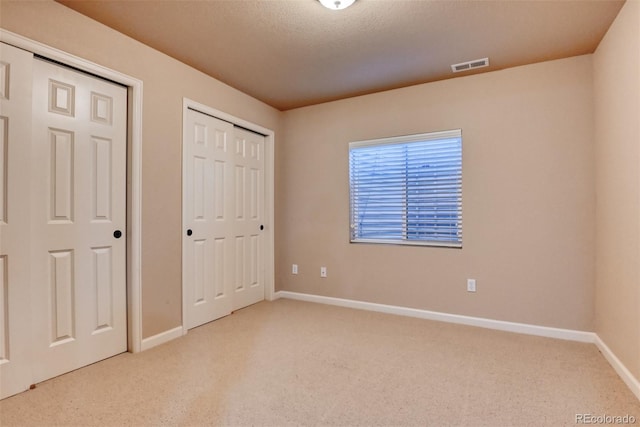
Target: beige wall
528,197
617,138
166,82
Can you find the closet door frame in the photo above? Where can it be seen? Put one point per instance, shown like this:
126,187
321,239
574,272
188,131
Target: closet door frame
134,171
269,180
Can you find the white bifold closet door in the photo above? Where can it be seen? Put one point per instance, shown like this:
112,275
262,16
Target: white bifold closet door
248,285
15,151
78,206
71,191
223,245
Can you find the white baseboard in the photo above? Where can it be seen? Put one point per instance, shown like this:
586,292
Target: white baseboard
161,338
628,378
521,328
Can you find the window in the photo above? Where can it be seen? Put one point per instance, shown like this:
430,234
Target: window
407,189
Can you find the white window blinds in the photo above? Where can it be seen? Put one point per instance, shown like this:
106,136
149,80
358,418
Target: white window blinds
407,190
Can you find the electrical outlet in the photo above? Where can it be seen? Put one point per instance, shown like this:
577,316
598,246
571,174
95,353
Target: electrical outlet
323,271
471,285
294,269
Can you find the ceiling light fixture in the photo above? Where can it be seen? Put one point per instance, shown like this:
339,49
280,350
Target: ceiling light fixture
337,4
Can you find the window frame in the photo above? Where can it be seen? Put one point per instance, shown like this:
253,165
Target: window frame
400,140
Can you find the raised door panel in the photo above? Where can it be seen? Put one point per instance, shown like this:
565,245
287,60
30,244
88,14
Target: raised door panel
4,167
101,179
62,297
61,179
103,289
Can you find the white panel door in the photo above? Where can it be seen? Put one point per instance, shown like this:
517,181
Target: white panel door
208,255
78,205
248,219
15,134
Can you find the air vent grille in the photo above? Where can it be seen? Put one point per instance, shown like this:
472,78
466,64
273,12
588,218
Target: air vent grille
470,65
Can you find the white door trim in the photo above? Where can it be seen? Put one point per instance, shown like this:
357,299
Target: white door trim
134,171
269,164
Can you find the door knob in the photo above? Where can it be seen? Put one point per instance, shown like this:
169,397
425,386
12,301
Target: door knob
189,232
117,234
261,227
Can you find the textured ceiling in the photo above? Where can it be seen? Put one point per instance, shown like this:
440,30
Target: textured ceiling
292,53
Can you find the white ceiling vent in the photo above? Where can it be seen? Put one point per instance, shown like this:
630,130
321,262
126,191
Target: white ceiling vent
470,65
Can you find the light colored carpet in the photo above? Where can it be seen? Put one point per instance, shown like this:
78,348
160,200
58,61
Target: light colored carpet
296,363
